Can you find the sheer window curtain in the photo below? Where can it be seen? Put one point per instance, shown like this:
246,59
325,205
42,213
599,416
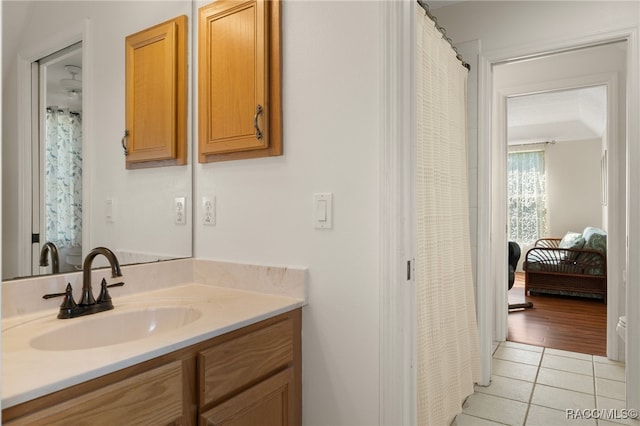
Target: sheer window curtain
527,197
63,178
447,334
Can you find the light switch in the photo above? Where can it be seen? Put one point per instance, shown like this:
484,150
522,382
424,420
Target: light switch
321,213
323,210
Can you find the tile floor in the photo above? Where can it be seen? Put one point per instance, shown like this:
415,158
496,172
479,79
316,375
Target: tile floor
532,385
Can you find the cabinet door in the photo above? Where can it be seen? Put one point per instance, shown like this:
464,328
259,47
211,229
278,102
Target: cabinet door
156,90
154,397
269,403
238,97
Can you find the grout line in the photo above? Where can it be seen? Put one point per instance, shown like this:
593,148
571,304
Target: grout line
533,388
595,389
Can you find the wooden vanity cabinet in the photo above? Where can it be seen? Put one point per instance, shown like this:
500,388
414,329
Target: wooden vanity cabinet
156,95
251,376
239,87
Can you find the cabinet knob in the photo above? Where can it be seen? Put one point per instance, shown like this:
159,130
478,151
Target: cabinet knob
255,122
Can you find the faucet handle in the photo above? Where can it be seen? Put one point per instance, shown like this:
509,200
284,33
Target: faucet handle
104,296
68,304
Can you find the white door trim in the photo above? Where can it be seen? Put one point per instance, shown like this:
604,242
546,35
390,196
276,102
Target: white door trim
491,247
632,343
397,324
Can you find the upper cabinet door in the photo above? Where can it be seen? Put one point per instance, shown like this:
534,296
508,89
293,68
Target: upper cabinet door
239,80
156,95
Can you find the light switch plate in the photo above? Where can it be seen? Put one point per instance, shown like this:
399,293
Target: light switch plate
323,210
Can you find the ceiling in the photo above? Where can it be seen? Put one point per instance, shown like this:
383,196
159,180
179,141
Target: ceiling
565,115
438,4
56,71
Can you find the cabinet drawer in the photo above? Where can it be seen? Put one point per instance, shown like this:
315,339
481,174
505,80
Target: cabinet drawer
244,360
269,403
154,397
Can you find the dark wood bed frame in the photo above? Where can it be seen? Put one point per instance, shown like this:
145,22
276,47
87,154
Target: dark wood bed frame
563,271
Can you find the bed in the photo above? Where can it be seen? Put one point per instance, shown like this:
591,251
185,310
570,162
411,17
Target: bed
575,265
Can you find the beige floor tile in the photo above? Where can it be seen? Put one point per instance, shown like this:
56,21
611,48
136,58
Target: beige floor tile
522,346
543,416
514,370
568,354
497,409
612,423
561,399
610,388
612,403
518,355
467,420
609,371
604,360
566,380
567,364
505,387
614,417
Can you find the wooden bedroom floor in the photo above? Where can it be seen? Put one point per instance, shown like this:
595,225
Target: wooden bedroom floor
566,323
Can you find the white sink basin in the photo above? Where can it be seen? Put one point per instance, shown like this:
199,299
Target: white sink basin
114,327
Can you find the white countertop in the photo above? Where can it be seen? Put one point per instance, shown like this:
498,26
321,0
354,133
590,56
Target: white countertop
29,373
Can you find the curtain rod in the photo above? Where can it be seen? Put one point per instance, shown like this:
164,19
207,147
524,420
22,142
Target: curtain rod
425,6
551,142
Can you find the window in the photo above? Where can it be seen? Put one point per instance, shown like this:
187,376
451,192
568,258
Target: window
527,196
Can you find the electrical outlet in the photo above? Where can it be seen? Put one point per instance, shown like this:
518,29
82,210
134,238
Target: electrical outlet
180,210
209,210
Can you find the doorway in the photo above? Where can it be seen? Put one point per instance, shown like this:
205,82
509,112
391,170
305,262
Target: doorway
556,193
601,65
56,236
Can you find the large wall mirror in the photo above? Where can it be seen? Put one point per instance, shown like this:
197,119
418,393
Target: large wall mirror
63,104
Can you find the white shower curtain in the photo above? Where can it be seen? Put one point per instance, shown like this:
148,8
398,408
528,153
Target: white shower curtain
447,335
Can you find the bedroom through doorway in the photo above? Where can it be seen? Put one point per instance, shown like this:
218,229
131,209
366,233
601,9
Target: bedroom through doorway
560,135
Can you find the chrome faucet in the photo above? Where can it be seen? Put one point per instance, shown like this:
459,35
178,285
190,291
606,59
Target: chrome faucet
47,248
87,295
88,304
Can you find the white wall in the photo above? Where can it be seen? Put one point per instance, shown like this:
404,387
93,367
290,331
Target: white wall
573,186
143,198
331,102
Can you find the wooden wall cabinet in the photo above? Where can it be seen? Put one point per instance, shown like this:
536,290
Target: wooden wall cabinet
156,95
239,84
251,376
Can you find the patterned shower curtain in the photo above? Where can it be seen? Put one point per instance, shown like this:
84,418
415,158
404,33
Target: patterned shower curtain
447,334
63,178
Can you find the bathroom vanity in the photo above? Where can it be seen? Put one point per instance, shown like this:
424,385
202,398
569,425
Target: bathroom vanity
188,354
